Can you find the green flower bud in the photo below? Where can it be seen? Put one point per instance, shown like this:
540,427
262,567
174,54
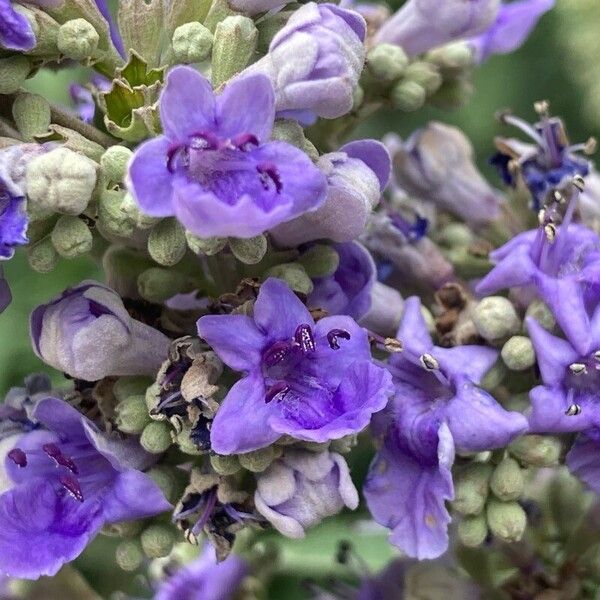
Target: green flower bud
567,501
42,256
166,243
495,318
129,555
294,275
453,93
507,481
114,162
156,437
122,267
31,114
542,314
225,465
132,414
71,237
249,250
387,62
425,74
258,460
184,440
536,450
166,480
344,445
286,130
112,220
472,531
158,285
77,39
157,541
123,529
320,260
14,70
518,353
208,246
457,55
233,46
471,488
137,217
506,520
61,181
192,43
456,235
125,387
408,95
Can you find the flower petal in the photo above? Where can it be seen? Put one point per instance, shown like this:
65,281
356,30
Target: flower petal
15,31
375,155
583,461
413,332
470,361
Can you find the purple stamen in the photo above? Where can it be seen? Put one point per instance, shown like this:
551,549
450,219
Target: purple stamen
334,335
276,353
53,451
269,173
72,486
281,389
18,457
209,506
245,142
304,338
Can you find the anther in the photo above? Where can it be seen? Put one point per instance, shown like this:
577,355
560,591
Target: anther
579,182
276,353
334,335
573,410
269,174
18,457
558,197
281,389
303,336
53,451
590,146
597,355
542,107
550,231
428,362
542,216
578,369
392,345
72,486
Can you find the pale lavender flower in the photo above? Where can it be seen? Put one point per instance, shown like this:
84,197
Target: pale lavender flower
583,459
302,488
83,98
312,381
15,30
87,333
214,168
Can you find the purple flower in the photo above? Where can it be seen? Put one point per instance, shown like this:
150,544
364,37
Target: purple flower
301,489
15,30
582,459
64,481
424,24
214,169
436,164
356,176
314,382
514,22
83,99
87,333
436,407
205,579
315,62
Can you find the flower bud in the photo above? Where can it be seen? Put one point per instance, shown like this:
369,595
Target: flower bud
233,46
472,531
158,285
165,478
542,314
192,43
112,220
132,414
114,162
495,318
138,218
14,70
387,62
567,501
157,541
125,387
71,237
425,74
290,131
507,481
507,520
122,267
258,460
156,437
536,450
408,95
225,465
518,353
129,555
166,243
294,275
42,256
457,55
208,246
61,181
31,114
471,488
77,39
249,250
320,260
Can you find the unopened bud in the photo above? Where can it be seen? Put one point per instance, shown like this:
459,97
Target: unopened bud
472,531
156,437
387,62
123,529
320,260
249,250
31,114
125,387
165,479
14,70
225,465
425,74
185,442
294,275
158,285
495,318
507,520
135,215
132,414
536,450
114,162
61,181
518,353
456,235
42,256
208,246
112,219
258,460
129,555
471,488
567,501
122,267
192,43
77,39
453,93
157,541
233,46
408,95
287,130
457,55
71,237
507,481
166,243
542,314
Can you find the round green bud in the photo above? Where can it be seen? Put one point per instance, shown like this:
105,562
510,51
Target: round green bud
456,235
472,531
425,74
111,217
456,55
387,62
453,93
320,260
408,95
125,387
225,465
507,481
294,275
31,114
156,437
250,251
495,318
166,242
42,256
208,246
132,414
129,555
258,460
114,162
234,44
137,217
542,314
506,520
471,488
185,442
287,130
157,541
122,529
158,285
518,353
192,43
77,39
71,237
14,70
165,479
536,450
